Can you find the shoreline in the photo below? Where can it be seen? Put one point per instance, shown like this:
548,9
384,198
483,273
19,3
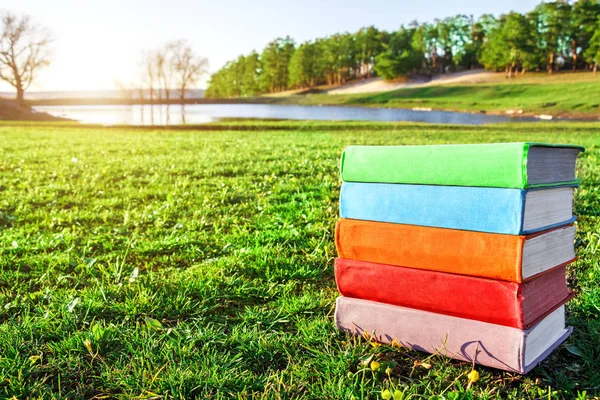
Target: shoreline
290,101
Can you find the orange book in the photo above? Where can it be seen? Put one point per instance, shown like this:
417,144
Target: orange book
514,258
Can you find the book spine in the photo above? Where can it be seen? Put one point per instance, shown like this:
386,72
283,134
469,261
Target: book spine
523,198
486,255
518,260
494,210
496,165
462,296
524,158
492,345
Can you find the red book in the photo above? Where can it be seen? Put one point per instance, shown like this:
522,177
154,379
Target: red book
519,305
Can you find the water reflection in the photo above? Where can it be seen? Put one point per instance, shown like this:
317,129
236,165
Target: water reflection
203,113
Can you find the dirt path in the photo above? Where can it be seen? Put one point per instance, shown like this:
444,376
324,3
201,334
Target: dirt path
379,85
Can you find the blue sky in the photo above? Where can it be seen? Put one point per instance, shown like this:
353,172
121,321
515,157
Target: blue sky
100,41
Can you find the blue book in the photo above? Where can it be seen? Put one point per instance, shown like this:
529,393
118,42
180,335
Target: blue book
494,210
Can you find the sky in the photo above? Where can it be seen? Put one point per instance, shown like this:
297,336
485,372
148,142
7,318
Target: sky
98,42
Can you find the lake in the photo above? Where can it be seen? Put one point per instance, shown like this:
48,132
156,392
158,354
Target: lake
203,113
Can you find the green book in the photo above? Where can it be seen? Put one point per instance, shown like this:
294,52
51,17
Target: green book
506,165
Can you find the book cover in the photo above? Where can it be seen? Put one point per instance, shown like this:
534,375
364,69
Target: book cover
496,210
487,255
496,346
489,165
518,305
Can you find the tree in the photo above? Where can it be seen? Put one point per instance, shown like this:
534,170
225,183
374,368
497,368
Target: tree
301,66
553,35
511,45
400,57
306,69
252,72
592,53
24,50
426,40
216,85
275,64
149,72
584,17
187,65
369,43
174,64
552,27
240,77
478,33
453,37
164,73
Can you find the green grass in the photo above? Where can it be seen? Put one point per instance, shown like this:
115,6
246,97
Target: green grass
182,264
563,94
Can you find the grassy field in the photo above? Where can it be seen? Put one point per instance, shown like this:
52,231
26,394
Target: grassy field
561,94
181,264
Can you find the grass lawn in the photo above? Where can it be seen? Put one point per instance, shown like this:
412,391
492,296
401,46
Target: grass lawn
199,263
566,94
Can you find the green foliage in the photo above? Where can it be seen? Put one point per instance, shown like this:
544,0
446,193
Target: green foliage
555,35
592,53
511,45
471,54
582,26
305,66
275,60
400,57
240,78
251,80
552,24
454,35
340,58
199,264
369,43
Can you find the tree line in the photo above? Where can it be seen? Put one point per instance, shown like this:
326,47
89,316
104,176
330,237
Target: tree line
558,35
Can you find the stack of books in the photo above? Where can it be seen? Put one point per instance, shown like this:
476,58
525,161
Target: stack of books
458,249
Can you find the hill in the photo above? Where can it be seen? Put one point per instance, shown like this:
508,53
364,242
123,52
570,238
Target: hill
11,111
561,94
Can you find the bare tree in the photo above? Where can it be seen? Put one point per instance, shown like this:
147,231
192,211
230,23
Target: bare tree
24,50
149,74
164,70
173,65
187,65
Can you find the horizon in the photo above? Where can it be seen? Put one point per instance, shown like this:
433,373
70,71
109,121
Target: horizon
93,61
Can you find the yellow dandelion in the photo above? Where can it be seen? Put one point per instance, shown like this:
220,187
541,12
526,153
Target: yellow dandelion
386,394
375,344
388,370
398,395
396,343
473,376
375,365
